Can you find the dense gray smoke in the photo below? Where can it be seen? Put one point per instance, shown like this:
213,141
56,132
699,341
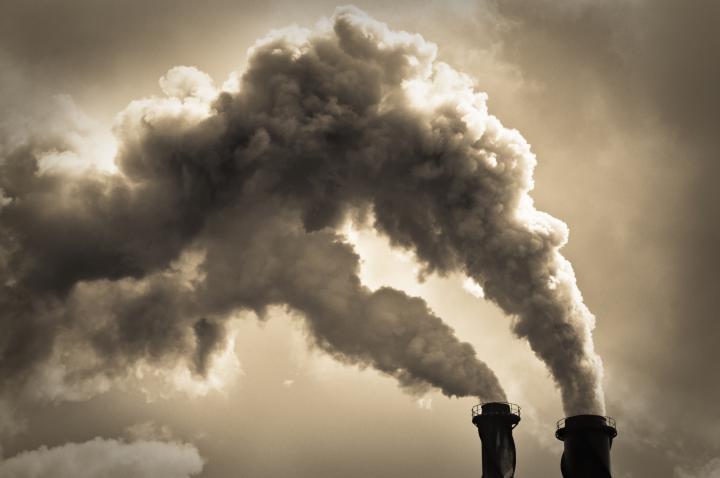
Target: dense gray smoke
349,120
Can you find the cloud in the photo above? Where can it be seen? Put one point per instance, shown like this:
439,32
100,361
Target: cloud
710,469
107,458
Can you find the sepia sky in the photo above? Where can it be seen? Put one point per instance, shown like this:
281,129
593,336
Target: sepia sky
619,102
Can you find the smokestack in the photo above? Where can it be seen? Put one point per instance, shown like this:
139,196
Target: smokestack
495,422
587,440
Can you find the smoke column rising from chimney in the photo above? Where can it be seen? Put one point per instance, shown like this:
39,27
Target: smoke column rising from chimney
350,119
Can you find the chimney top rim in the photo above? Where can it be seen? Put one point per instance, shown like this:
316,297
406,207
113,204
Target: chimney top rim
587,421
496,408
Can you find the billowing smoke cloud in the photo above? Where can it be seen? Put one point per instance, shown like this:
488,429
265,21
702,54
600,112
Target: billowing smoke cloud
107,458
103,259
347,121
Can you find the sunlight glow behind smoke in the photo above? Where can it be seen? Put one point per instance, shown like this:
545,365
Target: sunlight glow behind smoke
473,288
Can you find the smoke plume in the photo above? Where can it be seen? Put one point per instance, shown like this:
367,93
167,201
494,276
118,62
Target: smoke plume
349,120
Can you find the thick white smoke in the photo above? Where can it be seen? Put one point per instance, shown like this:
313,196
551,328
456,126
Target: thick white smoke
350,119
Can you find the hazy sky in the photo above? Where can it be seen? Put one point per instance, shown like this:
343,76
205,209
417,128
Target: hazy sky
619,102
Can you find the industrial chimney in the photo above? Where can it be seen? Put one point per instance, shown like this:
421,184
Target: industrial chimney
495,422
587,440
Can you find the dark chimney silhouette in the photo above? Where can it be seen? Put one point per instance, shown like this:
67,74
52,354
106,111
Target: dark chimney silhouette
587,440
495,422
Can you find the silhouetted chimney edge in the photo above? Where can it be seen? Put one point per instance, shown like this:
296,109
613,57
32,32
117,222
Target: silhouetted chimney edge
495,422
587,440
